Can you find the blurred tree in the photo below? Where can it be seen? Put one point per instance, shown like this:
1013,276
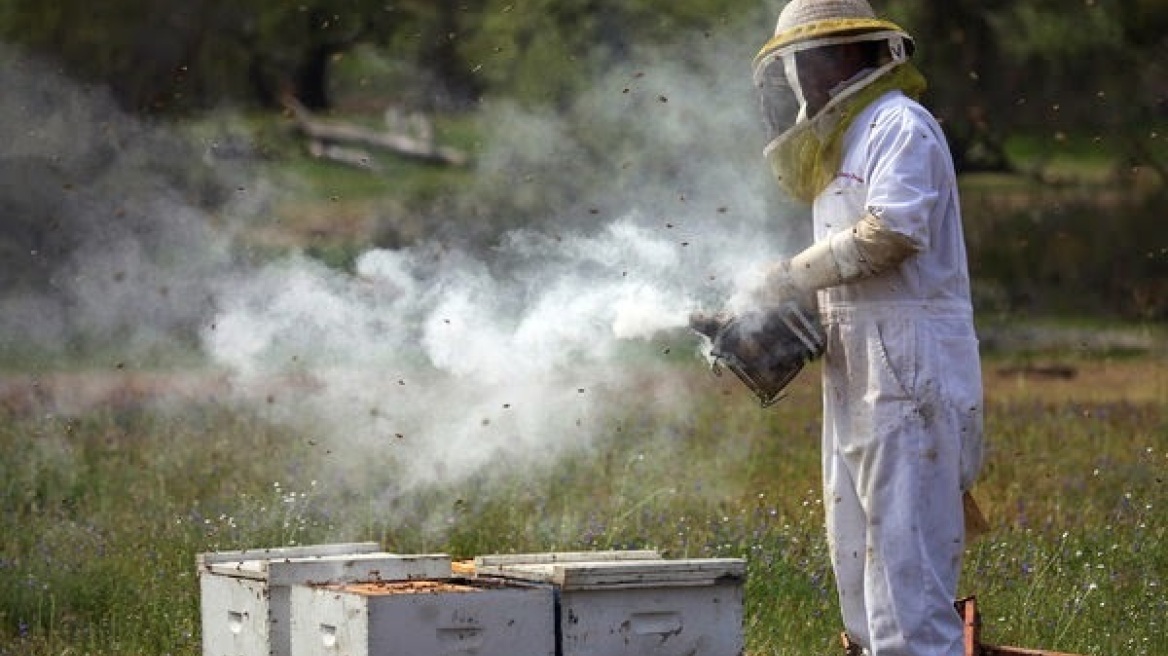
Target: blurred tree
160,55
996,65
1099,66
999,67
165,55
970,90
541,51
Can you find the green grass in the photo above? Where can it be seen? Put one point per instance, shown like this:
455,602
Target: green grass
101,515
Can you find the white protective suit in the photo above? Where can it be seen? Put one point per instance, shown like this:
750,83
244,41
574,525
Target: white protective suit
902,389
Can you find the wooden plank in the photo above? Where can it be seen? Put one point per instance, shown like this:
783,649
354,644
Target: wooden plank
970,619
630,573
360,567
649,573
497,560
973,647
240,569
336,568
991,650
287,552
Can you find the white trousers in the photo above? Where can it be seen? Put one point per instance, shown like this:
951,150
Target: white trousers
902,437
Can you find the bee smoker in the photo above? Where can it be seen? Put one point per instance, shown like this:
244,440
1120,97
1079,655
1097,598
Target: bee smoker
765,348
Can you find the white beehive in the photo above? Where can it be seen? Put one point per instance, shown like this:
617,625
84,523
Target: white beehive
424,618
245,595
649,607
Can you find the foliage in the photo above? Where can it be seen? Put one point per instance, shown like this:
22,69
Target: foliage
166,56
503,46
542,51
102,513
998,67
1052,257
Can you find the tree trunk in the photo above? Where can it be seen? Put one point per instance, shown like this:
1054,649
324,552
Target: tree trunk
311,83
455,86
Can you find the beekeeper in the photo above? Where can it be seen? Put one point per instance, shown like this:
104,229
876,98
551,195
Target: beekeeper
902,429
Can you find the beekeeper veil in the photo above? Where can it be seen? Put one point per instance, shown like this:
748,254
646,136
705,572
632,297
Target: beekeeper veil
802,144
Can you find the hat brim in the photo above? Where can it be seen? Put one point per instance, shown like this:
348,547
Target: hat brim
826,27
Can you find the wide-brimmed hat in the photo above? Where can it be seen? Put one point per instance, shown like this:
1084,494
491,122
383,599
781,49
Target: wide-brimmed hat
807,20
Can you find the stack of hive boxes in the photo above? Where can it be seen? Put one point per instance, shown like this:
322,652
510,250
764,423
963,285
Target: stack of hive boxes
353,600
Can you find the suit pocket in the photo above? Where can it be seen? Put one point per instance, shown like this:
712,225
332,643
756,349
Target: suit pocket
894,348
963,395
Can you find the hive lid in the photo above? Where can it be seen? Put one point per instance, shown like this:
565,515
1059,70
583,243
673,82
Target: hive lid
626,573
496,560
336,568
272,553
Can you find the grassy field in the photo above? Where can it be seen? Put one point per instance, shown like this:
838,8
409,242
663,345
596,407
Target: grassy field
102,511
105,502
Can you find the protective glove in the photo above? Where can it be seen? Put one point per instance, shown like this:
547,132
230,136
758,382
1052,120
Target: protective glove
781,284
866,249
774,286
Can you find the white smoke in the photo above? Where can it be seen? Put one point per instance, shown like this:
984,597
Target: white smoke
441,358
446,360
108,237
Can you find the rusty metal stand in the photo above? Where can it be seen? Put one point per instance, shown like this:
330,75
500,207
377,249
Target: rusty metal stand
967,609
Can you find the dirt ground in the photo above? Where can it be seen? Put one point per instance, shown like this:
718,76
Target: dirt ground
1083,380
1045,378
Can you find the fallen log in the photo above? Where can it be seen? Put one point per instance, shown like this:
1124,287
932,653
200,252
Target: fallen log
335,132
356,157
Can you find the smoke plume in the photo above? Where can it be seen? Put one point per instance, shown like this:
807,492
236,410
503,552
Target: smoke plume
508,339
